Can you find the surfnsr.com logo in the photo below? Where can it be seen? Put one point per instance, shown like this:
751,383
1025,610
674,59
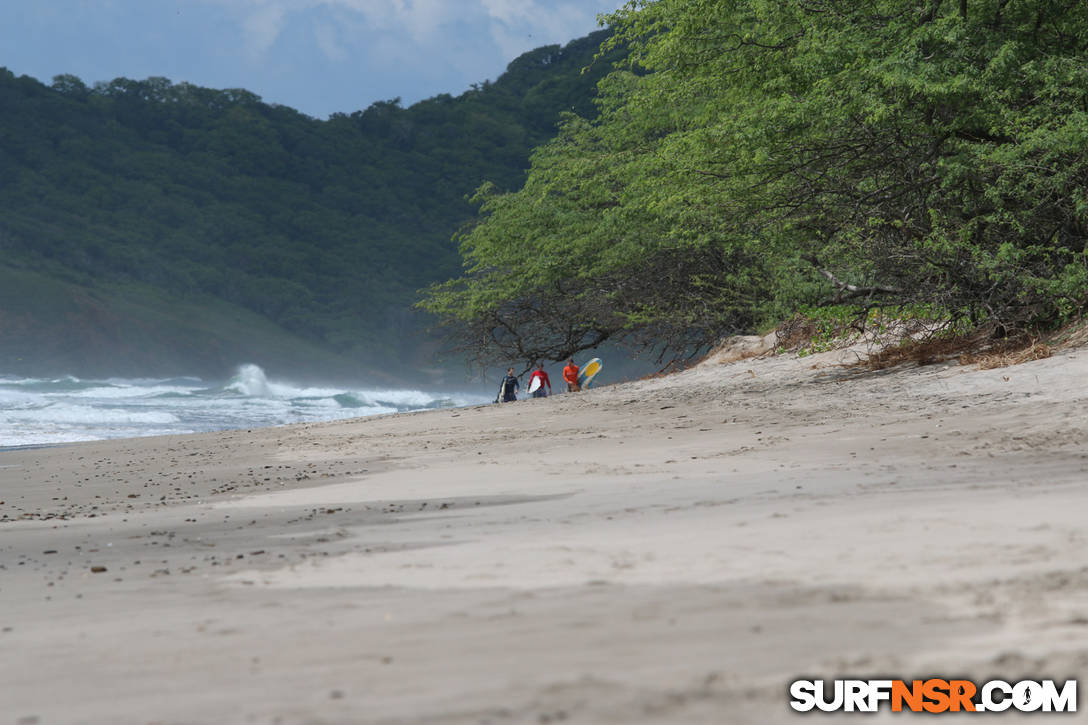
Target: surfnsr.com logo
933,696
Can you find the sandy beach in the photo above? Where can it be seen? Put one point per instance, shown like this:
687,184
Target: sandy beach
673,550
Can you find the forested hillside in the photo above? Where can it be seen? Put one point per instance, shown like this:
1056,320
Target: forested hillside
148,226
755,159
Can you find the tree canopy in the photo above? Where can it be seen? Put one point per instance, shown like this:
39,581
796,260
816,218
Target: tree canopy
752,157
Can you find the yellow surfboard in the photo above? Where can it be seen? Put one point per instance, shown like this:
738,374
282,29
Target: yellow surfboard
589,371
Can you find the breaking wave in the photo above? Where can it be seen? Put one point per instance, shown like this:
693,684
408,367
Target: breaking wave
40,411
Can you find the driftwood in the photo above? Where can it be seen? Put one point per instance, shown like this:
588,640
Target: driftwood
849,291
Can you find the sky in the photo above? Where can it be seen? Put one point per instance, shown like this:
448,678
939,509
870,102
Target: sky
317,56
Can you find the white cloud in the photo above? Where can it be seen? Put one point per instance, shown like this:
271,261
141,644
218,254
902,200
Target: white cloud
514,25
262,26
508,11
327,37
520,25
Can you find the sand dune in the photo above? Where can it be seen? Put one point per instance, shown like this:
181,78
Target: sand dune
671,550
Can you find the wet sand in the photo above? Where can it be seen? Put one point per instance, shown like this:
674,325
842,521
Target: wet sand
671,550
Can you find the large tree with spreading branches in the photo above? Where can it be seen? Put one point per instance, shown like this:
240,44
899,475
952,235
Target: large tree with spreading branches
752,157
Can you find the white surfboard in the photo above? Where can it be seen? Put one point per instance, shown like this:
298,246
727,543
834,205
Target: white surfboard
534,384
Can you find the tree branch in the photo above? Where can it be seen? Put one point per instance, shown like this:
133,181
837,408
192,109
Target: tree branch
847,290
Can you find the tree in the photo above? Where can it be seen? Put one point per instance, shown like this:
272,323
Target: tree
70,85
756,156
923,154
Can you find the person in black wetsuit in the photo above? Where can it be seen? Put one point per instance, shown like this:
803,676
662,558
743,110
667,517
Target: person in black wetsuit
508,391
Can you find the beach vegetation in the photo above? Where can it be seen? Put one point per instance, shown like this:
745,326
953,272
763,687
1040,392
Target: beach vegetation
751,160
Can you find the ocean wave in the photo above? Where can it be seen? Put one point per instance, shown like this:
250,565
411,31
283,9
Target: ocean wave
58,436
65,384
41,411
131,391
85,414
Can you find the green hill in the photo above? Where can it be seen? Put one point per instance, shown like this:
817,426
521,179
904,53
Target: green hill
149,227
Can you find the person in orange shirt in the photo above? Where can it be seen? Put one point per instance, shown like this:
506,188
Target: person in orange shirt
570,374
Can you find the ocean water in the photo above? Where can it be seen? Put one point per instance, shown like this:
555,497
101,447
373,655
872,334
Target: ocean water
65,410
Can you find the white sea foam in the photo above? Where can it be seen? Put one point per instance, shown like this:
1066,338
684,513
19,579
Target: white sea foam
121,390
250,381
85,414
39,411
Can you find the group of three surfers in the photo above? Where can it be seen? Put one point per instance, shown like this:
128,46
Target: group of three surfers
508,390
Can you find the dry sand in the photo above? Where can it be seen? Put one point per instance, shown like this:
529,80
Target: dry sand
674,550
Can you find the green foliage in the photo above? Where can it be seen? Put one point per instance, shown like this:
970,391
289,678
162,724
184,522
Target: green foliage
753,157
325,228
